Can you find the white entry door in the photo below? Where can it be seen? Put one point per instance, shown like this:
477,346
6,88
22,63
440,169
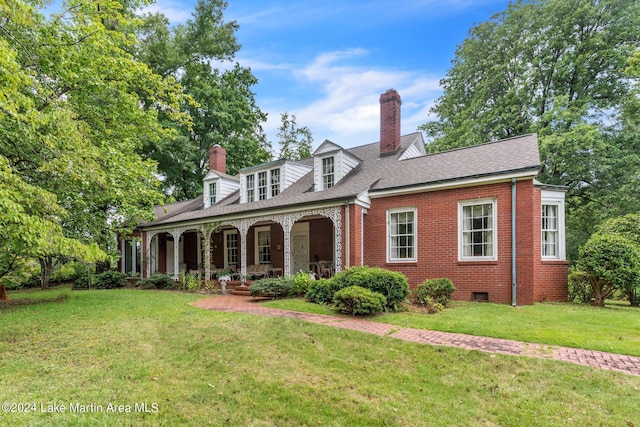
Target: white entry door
300,247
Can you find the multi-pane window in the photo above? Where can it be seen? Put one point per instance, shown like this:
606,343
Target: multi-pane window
263,246
402,235
328,176
550,229
250,188
478,239
275,182
262,185
212,193
231,248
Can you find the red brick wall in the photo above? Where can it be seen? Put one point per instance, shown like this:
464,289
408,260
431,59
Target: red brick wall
355,241
437,217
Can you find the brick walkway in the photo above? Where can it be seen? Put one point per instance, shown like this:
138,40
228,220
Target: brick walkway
596,359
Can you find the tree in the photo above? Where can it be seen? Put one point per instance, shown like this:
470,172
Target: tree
555,68
72,120
295,143
224,111
612,263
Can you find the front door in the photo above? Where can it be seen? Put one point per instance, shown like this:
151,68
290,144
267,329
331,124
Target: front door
300,247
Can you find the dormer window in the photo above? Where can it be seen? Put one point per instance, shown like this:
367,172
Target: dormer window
328,175
275,182
251,188
212,193
262,185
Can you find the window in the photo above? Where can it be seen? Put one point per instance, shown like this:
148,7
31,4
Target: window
401,232
327,173
263,246
478,230
275,182
251,188
550,232
262,185
230,248
212,193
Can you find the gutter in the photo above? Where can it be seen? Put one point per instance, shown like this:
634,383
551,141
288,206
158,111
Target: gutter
513,242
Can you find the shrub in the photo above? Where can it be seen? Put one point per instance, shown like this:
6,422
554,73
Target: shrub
580,290
391,284
322,291
358,300
612,263
301,284
109,280
272,287
68,272
434,291
158,281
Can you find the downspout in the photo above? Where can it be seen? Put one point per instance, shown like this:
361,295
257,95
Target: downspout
513,242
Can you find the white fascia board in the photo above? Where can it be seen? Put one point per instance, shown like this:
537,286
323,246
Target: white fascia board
193,224
469,182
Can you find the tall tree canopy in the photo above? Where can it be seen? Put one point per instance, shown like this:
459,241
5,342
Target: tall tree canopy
224,111
72,121
295,142
558,68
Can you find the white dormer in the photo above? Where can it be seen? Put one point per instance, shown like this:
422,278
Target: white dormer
416,149
331,163
217,186
265,181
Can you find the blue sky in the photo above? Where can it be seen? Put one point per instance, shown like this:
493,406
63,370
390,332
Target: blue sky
327,61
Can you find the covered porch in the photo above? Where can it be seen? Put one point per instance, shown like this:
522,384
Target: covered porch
250,248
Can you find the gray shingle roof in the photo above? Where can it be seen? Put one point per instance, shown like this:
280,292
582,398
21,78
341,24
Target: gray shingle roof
376,174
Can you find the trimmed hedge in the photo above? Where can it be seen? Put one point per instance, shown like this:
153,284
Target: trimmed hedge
278,287
358,300
392,285
158,281
322,291
434,291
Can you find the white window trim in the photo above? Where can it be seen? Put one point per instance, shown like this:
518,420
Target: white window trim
256,255
252,188
557,199
334,173
226,248
390,259
271,184
494,209
213,199
260,187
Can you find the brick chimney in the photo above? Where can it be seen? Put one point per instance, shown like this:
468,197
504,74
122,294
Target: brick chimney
389,122
218,159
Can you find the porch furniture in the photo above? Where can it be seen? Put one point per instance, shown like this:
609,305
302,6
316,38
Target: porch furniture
275,272
325,269
258,270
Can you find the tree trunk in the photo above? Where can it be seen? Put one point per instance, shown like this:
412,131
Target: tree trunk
47,264
3,293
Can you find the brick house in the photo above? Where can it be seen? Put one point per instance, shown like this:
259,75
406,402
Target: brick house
476,215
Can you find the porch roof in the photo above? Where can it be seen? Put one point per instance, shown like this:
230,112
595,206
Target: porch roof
377,174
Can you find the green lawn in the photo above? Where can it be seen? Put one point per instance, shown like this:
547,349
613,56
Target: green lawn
199,367
615,328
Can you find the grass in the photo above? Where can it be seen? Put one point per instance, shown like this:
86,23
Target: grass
211,368
615,328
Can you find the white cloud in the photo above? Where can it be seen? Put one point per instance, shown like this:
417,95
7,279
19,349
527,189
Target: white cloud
347,111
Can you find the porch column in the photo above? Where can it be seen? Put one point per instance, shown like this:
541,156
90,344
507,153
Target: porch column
176,233
148,243
207,252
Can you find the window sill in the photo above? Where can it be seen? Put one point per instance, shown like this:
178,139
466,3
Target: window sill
472,262
555,262
402,262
